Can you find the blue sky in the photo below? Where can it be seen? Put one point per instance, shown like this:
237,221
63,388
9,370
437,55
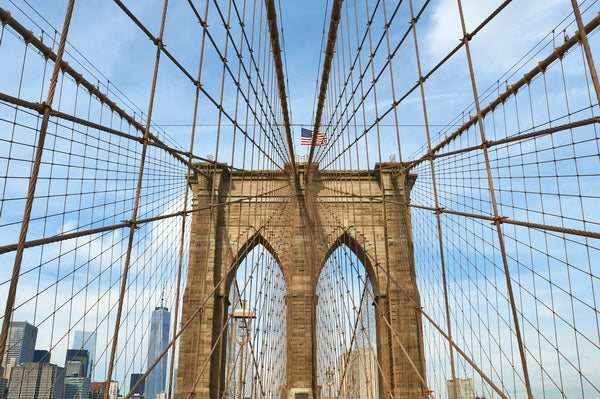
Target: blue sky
116,51
111,42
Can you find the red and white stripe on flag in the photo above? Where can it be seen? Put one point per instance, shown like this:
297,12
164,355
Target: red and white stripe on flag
321,140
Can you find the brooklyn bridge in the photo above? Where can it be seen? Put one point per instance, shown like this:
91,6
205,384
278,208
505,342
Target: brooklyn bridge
317,199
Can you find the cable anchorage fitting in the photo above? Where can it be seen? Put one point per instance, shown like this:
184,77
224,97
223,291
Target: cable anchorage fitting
500,219
44,107
131,224
5,17
29,37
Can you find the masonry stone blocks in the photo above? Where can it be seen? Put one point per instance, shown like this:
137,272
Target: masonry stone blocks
301,222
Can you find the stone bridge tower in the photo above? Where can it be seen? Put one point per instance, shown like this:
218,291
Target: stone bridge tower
301,223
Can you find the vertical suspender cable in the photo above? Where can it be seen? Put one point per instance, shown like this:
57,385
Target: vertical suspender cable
498,220
132,222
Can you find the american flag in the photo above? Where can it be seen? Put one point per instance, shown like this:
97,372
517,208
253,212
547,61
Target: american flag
306,138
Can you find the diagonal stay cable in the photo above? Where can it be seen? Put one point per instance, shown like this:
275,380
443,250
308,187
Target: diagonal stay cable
250,244
511,90
47,52
12,293
68,236
197,83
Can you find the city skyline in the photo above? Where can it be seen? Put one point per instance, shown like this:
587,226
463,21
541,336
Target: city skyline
29,373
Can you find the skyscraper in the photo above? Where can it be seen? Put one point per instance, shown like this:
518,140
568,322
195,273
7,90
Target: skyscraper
159,338
464,388
360,379
139,391
3,388
73,368
77,388
76,363
77,383
86,340
36,381
20,343
41,356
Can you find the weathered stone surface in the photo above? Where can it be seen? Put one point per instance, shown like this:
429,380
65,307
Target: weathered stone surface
301,223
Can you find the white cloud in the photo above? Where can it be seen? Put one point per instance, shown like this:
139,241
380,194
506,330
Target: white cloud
502,41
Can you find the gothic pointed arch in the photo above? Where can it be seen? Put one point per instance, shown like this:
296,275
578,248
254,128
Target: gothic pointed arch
255,240
255,323
347,238
346,322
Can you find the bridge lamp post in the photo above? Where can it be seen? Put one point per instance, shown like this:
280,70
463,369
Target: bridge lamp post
242,320
329,379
